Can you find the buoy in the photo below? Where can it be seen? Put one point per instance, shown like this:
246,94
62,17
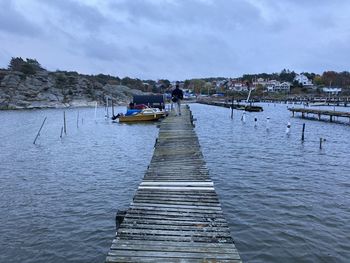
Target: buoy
288,128
243,117
267,123
255,121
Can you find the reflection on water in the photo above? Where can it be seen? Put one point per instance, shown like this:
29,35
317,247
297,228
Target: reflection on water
285,201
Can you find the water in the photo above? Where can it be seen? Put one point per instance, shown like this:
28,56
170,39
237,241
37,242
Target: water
58,198
285,201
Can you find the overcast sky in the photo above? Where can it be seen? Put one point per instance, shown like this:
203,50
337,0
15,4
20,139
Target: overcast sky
177,39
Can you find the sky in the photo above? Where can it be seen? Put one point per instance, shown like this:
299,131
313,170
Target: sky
177,39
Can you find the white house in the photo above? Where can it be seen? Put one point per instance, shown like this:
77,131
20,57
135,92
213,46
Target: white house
302,79
276,86
271,84
283,87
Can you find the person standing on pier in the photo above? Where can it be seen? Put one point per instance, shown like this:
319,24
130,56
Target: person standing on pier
176,97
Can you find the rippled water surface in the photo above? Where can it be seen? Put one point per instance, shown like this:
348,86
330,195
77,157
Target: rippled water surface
58,198
285,201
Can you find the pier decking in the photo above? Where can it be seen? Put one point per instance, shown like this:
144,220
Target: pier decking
175,215
320,113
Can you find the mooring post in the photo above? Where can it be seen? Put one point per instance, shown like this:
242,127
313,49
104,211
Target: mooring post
112,107
232,108
78,120
321,140
302,134
61,132
95,110
64,122
39,130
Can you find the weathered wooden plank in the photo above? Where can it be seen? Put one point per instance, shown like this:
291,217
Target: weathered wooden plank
178,217
185,238
197,227
172,254
146,183
172,244
172,223
114,259
162,247
186,208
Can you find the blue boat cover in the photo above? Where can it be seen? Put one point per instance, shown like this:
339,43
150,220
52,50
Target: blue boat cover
132,112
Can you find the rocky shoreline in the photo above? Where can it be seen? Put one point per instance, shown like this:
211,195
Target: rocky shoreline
46,89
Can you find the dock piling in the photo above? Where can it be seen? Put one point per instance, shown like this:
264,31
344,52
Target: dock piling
38,134
302,134
64,122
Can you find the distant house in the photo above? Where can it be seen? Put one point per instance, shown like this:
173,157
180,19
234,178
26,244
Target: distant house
283,87
260,81
302,79
238,86
276,86
271,84
332,91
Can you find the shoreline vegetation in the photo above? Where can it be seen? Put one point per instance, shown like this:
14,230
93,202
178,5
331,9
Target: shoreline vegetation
25,84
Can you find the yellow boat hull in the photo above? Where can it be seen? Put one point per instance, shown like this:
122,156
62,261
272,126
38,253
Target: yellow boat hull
140,117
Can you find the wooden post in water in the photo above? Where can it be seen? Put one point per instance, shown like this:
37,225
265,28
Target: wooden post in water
64,123
107,112
302,134
112,107
61,132
321,140
78,120
232,108
39,130
95,110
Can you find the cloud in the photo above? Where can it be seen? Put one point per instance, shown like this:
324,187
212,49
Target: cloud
179,39
14,22
73,14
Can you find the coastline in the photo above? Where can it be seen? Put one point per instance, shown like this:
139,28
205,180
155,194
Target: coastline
36,105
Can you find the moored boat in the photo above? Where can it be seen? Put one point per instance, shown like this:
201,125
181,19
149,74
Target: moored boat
136,115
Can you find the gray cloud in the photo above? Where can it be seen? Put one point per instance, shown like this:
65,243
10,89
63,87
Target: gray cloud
13,22
73,12
180,38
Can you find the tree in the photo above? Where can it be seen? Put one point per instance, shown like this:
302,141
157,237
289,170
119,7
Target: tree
287,75
318,80
16,64
28,66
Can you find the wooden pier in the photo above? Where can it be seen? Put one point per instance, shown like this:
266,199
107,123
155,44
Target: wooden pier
175,215
320,113
231,105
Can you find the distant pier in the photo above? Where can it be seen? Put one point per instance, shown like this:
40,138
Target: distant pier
231,105
319,113
175,215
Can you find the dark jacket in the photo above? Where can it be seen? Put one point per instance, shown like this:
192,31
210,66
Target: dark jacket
177,93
